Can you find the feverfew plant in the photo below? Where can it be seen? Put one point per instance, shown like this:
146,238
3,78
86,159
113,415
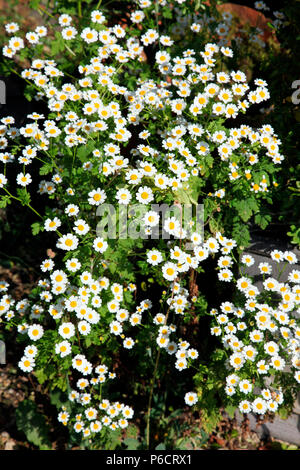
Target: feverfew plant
123,129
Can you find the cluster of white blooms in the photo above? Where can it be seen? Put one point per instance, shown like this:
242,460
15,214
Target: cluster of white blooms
76,312
262,337
150,138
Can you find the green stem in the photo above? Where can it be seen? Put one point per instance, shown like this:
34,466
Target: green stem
30,207
70,50
281,271
153,383
150,399
23,78
45,11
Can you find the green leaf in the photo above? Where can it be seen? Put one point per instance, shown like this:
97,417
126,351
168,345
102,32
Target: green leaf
167,13
46,169
197,5
244,208
283,413
34,4
181,196
59,399
33,424
41,376
218,354
112,267
85,150
28,94
113,438
241,234
262,220
4,201
24,196
37,228
211,419
131,443
294,233
182,443
189,194
230,410
57,45
161,446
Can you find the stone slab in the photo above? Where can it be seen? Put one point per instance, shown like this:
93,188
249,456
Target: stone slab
287,430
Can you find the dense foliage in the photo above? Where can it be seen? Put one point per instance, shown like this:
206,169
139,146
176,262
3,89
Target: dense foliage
147,110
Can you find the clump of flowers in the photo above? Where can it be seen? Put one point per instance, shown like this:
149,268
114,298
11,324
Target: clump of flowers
261,336
127,132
